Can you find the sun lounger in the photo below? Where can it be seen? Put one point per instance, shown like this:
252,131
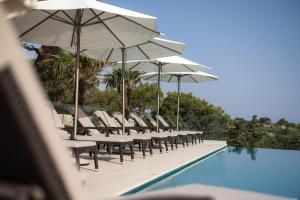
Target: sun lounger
141,139
160,138
140,122
77,147
111,123
173,137
181,136
96,136
192,134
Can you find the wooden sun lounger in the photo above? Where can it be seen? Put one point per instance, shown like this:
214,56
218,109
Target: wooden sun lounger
140,139
160,137
181,136
99,138
111,125
109,142
77,147
192,134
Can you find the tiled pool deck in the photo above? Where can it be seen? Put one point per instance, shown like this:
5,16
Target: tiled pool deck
115,178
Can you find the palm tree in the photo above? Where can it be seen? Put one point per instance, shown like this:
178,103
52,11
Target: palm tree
56,70
114,80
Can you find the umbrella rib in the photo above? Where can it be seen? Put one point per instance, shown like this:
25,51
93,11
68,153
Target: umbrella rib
73,32
139,44
142,51
73,35
83,50
108,28
138,24
213,78
109,55
170,77
165,47
188,68
193,79
150,77
100,22
91,19
68,16
134,65
36,25
57,18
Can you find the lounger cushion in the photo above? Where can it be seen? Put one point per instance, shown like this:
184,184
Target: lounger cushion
78,144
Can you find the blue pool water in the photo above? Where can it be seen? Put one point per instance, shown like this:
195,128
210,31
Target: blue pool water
269,171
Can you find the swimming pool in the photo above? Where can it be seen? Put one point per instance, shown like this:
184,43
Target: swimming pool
268,171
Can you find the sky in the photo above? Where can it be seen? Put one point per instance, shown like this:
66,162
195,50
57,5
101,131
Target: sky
253,46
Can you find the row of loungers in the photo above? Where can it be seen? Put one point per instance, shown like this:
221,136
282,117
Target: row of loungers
110,134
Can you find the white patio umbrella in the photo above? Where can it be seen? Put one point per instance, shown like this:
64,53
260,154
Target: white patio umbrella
84,24
165,64
154,48
191,77
151,49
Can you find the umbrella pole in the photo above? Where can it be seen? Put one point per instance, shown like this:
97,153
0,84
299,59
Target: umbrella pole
78,30
123,90
178,97
158,96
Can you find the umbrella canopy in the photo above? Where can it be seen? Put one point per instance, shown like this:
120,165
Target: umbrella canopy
188,77
165,64
54,23
84,24
191,77
154,48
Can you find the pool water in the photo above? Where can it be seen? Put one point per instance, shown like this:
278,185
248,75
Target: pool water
268,171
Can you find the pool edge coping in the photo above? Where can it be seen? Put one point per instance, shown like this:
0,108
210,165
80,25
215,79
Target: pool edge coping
155,179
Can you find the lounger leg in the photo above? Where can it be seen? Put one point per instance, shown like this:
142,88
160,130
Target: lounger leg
166,144
143,149
171,140
150,147
192,140
76,153
176,142
96,160
159,143
139,146
195,137
183,141
187,141
131,151
108,149
121,152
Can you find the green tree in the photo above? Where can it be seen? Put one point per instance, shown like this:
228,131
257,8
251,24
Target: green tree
282,122
145,96
114,80
196,114
265,120
56,70
108,100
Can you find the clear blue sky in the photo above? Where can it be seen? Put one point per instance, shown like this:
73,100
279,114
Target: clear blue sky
254,46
